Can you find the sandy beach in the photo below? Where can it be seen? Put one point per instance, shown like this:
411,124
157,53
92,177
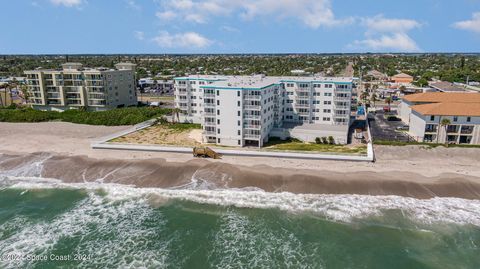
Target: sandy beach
406,171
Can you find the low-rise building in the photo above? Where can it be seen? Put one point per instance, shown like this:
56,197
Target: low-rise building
443,86
74,87
248,110
402,79
425,112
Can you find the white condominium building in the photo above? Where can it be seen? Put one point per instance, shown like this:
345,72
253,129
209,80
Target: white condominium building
247,110
74,86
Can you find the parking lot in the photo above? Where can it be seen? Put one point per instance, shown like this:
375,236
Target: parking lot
383,129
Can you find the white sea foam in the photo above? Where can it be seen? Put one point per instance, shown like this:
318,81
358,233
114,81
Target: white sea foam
105,218
241,242
343,208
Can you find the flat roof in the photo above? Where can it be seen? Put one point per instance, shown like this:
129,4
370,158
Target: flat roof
444,97
449,109
259,81
446,86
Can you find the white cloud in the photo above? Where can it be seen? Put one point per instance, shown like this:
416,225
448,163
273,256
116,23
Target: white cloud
166,15
470,25
387,34
67,3
382,24
139,35
133,5
182,40
397,41
313,13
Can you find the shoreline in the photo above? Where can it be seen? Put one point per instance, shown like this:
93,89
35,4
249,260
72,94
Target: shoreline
410,171
159,173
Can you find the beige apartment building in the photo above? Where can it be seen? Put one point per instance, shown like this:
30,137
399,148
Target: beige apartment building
75,87
424,113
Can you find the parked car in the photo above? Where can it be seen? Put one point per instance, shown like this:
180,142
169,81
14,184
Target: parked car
386,109
393,118
403,128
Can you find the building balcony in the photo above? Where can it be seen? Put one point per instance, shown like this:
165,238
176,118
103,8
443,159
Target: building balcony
205,132
302,105
468,130
252,127
302,97
251,136
210,123
252,117
252,97
209,95
211,114
249,107
209,105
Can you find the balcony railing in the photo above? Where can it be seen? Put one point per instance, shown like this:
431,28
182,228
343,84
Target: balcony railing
209,123
209,95
302,105
207,114
250,107
251,136
252,127
252,117
209,104
252,97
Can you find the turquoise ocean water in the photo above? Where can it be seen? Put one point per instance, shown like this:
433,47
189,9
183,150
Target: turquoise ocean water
48,224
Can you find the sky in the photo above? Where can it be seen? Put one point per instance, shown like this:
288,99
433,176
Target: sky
238,26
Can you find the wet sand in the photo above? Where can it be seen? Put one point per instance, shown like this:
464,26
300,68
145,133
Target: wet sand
406,171
215,175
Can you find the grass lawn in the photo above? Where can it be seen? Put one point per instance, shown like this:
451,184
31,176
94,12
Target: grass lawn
295,145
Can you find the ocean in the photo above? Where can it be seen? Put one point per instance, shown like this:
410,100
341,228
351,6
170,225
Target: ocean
45,223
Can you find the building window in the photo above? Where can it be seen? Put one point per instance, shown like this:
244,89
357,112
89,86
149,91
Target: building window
218,121
218,140
239,132
238,93
218,112
432,118
238,103
455,118
218,102
238,112
239,142
469,119
218,131
239,123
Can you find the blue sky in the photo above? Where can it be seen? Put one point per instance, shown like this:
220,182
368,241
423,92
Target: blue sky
239,26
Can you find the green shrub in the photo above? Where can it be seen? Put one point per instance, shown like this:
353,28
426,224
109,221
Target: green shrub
114,117
331,141
318,140
324,140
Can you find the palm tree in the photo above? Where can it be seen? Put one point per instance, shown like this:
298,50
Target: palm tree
388,100
176,113
445,123
364,96
374,99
